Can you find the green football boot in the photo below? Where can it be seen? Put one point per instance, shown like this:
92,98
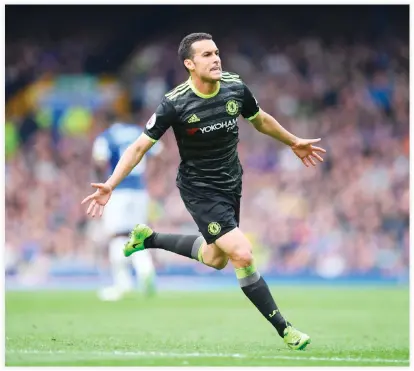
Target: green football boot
295,339
136,239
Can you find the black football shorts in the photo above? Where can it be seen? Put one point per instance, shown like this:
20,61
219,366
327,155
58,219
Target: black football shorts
214,212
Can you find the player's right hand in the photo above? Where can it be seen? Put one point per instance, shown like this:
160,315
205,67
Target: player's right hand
98,199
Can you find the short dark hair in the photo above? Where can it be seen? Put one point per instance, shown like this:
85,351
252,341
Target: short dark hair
185,50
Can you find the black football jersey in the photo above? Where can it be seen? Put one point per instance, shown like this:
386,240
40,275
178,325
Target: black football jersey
206,131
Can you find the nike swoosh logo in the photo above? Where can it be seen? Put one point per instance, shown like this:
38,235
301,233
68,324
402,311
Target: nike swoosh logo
294,344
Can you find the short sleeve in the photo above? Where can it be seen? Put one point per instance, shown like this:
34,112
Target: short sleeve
163,117
100,149
250,107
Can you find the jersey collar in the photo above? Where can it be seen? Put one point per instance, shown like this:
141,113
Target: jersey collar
201,95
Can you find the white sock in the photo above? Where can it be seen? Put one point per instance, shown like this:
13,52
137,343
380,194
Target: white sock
143,265
121,274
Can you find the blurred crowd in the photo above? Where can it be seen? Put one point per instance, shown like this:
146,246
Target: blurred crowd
349,215
29,58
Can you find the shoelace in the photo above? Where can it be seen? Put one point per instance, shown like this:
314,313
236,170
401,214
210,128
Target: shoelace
293,335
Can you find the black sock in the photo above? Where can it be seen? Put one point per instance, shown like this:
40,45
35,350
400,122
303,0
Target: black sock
260,295
181,244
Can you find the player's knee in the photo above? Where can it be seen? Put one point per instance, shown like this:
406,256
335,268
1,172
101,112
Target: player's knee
237,247
243,257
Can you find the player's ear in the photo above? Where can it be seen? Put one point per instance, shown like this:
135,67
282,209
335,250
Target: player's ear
189,64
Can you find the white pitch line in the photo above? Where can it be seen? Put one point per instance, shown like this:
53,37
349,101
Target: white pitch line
208,355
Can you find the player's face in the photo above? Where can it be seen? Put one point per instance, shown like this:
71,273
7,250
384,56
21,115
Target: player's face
206,62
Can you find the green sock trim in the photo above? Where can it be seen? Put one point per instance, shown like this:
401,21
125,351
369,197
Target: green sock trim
200,254
245,271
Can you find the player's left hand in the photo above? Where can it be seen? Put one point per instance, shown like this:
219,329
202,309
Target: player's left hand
304,149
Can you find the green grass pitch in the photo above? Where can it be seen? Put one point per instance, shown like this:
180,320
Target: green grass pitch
362,326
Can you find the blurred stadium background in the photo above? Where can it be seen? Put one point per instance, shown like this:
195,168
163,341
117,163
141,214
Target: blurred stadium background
321,75
335,72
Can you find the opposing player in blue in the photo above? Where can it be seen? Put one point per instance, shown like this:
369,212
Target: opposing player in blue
128,205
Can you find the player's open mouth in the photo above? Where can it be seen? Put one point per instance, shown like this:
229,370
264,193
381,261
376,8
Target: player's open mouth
216,69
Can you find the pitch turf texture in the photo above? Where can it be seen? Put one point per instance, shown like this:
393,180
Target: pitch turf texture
361,326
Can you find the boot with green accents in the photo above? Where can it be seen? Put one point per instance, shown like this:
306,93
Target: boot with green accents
136,239
295,339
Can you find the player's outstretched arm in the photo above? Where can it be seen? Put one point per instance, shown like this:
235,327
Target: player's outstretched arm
130,158
303,148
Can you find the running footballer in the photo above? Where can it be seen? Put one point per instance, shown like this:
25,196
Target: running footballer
203,113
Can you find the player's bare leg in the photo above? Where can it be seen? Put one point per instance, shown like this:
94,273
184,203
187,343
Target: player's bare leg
212,255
